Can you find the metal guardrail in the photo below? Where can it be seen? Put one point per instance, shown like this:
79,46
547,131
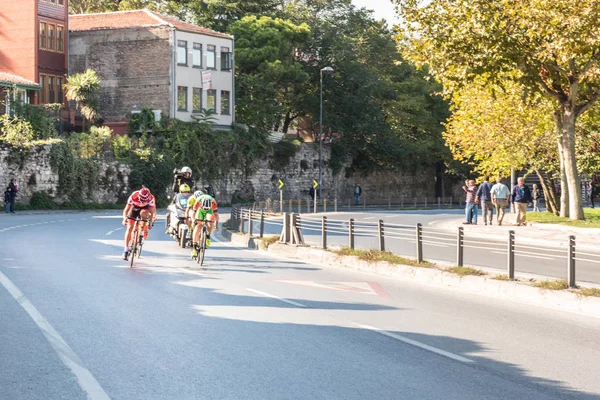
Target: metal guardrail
243,219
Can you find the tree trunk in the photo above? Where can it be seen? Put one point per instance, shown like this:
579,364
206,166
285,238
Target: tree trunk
286,122
549,192
567,140
564,188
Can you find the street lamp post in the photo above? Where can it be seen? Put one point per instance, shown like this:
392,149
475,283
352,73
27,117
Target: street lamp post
328,70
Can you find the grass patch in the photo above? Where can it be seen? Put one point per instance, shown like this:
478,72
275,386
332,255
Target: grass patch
501,278
552,285
376,255
590,292
269,240
592,218
464,271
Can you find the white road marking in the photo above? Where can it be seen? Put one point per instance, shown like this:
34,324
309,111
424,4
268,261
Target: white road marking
525,255
417,344
85,379
113,231
369,218
276,298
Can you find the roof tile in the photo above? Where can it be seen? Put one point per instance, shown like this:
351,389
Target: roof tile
6,77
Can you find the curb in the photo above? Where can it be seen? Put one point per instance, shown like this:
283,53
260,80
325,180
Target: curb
561,300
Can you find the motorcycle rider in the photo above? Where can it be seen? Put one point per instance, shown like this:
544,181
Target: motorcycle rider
183,191
181,177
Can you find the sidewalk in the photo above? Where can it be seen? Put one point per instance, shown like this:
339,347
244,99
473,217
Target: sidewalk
536,233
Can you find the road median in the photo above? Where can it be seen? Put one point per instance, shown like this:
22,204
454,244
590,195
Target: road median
494,286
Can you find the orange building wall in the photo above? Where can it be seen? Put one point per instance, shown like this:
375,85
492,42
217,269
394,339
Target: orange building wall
18,38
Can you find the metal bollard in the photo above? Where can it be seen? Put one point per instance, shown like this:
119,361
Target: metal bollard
351,233
511,255
571,263
389,203
242,220
299,206
401,201
250,223
262,224
307,206
439,203
324,232
419,233
324,205
460,239
335,204
291,206
381,235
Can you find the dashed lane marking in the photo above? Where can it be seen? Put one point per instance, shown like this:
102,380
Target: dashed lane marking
294,303
415,343
85,379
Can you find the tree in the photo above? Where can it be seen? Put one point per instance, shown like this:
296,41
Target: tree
553,44
84,90
269,70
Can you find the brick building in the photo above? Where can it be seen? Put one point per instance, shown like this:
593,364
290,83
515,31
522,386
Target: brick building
34,48
145,59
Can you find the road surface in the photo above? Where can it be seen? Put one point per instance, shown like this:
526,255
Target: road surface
76,323
543,260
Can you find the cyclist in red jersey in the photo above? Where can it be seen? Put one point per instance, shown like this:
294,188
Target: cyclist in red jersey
140,204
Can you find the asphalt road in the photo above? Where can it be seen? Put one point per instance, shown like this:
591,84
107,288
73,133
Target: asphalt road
76,323
542,260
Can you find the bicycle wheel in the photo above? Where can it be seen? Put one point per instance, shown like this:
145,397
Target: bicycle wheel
202,249
133,247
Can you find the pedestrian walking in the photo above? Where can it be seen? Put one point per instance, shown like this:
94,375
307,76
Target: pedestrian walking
500,195
521,197
484,197
13,189
357,193
535,196
7,200
592,189
470,207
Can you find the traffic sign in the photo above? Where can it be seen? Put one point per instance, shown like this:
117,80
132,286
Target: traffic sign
315,184
281,184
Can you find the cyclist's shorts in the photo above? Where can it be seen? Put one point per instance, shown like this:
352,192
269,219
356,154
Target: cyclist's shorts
135,213
201,214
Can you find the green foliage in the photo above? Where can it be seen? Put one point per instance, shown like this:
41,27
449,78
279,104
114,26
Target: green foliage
76,176
84,90
41,201
15,131
283,151
142,122
43,119
93,144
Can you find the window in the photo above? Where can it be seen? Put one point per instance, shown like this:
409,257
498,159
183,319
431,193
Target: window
60,98
181,98
197,99
211,57
197,55
43,88
225,59
181,52
211,99
43,35
225,102
61,2
51,93
60,41
51,30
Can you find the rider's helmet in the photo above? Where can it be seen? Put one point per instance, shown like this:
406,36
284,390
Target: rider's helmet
198,193
144,195
206,204
185,170
184,188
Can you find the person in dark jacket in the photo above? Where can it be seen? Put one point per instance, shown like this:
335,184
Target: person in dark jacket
181,177
13,188
521,196
484,197
7,199
209,190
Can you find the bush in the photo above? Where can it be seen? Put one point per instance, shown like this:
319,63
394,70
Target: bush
93,144
283,151
43,119
41,201
76,176
15,131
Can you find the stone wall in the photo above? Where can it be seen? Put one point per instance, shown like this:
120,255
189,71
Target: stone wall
304,167
34,173
134,66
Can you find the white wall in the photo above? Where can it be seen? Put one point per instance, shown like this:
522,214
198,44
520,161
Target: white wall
191,77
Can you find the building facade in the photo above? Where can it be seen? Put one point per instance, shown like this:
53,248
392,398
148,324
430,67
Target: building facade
34,47
145,59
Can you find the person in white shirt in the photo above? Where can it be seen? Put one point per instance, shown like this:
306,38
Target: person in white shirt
500,194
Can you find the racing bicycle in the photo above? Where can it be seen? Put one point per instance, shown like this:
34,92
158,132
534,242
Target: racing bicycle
137,241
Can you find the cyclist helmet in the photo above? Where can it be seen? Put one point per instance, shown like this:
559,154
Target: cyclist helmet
144,195
186,169
184,188
206,204
198,193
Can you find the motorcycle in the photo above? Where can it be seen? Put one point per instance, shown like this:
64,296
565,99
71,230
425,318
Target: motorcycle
176,225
